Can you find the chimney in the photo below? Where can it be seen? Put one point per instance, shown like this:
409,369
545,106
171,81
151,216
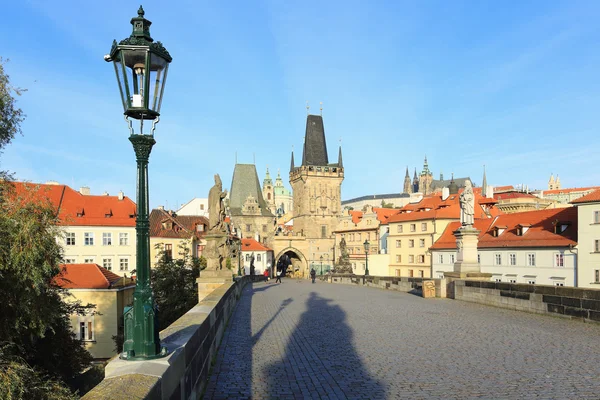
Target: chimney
105,194
52,183
84,190
445,193
490,192
161,208
121,195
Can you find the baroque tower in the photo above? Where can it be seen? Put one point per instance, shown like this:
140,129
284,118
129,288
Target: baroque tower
407,184
269,192
316,186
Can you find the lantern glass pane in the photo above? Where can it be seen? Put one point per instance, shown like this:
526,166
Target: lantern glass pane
158,74
121,82
135,62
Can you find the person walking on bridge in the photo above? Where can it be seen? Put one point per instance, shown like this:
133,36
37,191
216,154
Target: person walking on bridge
313,274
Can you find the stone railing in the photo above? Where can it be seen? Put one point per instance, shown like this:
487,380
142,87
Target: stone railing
568,302
401,284
192,341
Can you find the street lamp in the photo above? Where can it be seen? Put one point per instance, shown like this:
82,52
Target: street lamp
240,257
321,264
141,66
367,245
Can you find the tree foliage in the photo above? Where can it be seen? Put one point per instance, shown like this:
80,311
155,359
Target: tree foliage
11,116
34,322
174,284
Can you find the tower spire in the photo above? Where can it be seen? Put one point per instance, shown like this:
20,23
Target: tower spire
292,163
340,164
484,184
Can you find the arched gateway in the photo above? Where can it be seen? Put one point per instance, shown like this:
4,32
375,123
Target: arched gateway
297,259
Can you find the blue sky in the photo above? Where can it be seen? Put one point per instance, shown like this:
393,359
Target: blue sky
512,85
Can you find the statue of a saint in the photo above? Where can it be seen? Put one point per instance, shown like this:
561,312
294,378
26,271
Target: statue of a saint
216,210
467,205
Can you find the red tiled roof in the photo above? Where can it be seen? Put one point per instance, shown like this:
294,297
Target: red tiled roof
88,276
253,245
588,198
571,190
183,226
503,188
356,216
540,233
513,195
384,213
441,209
76,209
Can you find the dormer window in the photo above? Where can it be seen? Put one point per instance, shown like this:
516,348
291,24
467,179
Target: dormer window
522,229
107,213
80,212
498,230
168,225
560,227
200,228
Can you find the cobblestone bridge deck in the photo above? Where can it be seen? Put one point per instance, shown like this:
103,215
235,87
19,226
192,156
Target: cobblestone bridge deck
300,340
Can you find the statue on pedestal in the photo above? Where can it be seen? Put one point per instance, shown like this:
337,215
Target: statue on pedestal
216,210
343,266
467,206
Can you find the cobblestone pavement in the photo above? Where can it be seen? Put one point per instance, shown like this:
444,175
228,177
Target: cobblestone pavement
298,340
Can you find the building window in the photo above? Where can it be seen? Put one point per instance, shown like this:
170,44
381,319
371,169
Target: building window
478,258
597,275
88,238
421,273
258,257
264,228
421,259
413,227
596,246
497,279
397,272
168,252
399,228
423,226
559,260
441,276
323,231
86,328
398,258
559,284
411,243
451,258
200,228
512,280
411,259
597,217
531,259
398,243
359,237
107,263
70,238
106,239
123,239
421,242
88,260
248,227
498,259
124,264
512,259
69,261
441,258
411,273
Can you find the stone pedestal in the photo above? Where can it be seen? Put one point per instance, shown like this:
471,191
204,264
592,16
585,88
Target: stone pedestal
428,289
211,280
467,238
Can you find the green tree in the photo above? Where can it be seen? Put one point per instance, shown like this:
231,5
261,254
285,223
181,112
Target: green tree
174,284
38,353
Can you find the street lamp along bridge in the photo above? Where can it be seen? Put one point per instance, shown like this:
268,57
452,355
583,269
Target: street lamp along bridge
141,66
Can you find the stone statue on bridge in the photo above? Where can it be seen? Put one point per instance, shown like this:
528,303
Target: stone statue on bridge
216,209
343,265
467,205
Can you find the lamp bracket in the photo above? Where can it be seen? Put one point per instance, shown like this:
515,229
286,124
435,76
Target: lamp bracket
154,122
129,122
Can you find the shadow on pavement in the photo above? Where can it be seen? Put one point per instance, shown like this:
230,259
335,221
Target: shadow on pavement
320,359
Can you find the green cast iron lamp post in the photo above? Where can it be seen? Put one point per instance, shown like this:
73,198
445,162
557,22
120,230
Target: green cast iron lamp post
141,65
367,245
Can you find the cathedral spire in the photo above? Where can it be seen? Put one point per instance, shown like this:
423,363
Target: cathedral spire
484,184
407,184
340,164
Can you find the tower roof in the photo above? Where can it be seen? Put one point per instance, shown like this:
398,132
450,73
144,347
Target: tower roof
407,174
245,183
315,147
340,163
484,184
267,180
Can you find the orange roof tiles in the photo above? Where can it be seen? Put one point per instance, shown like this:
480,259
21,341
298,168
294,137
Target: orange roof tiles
570,190
182,226
253,245
88,276
503,188
356,216
384,213
76,209
539,234
588,198
513,195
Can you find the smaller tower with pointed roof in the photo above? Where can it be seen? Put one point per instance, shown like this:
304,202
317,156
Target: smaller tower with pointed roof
484,184
269,191
425,179
551,182
415,182
407,184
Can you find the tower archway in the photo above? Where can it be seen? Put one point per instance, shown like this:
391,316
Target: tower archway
297,262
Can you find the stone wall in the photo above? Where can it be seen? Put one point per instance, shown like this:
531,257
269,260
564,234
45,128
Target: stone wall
192,341
401,284
562,301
